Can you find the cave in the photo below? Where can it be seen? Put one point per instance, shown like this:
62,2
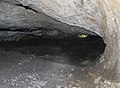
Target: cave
75,50
59,44
78,52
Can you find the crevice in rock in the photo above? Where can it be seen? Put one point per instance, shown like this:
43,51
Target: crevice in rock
26,7
72,50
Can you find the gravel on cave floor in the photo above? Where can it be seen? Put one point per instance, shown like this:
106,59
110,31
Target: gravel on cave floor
48,63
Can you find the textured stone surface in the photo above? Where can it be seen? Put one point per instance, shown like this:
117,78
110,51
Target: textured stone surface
81,13
110,11
32,15
49,63
62,17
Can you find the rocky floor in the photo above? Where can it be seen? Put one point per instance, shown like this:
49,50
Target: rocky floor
49,63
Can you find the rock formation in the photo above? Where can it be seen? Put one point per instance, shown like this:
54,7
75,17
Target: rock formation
61,18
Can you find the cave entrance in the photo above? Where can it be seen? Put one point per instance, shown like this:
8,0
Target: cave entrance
68,62
77,50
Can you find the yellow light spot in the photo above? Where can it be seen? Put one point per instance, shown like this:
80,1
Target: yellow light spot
82,35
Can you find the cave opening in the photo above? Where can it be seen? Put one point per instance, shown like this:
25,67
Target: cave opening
77,50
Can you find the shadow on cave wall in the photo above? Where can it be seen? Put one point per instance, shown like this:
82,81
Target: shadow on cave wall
74,50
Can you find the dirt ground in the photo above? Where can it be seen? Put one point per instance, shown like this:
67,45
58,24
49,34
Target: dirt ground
49,63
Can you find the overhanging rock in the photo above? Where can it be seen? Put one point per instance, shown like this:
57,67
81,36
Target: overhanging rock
55,17
25,17
81,13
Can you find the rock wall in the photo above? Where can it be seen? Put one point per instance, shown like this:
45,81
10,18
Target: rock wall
56,17
81,13
20,18
110,11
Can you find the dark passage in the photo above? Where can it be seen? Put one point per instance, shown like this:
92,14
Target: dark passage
49,63
73,50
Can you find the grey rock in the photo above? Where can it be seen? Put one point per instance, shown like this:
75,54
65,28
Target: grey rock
19,18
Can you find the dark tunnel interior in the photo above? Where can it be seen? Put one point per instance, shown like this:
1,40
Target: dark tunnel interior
73,50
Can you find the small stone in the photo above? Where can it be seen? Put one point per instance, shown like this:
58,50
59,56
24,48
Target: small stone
96,81
19,63
57,86
26,80
72,69
41,83
74,87
84,63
